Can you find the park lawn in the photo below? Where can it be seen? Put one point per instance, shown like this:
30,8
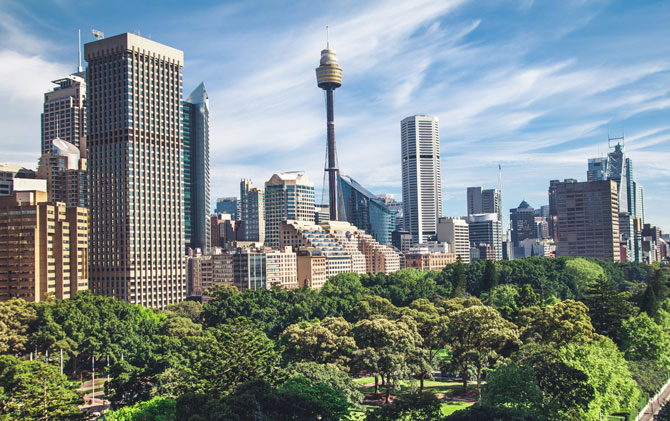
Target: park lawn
364,380
450,407
447,408
440,388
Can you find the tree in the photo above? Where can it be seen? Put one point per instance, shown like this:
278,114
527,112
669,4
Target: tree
527,297
478,335
565,322
189,309
459,281
16,317
384,346
373,306
327,341
156,409
490,279
320,400
566,391
423,406
487,413
513,386
607,372
649,302
642,339
607,307
33,390
433,330
330,374
581,273
504,299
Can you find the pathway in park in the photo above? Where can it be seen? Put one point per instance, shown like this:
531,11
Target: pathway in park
656,405
98,404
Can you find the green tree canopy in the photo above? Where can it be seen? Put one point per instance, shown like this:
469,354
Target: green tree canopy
16,318
327,341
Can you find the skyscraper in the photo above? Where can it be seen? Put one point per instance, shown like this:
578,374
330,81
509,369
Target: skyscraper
456,233
486,230
588,219
484,201
288,196
329,78
228,205
136,170
365,210
421,175
252,212
64,113
195,134
522,222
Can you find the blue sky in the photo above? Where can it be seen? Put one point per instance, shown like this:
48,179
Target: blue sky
531,85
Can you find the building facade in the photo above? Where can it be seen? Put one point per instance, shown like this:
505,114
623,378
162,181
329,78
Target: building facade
486,230
252,212
229,205
66,173
482,200
195,153
43,248
421,176
136,170
64,113
365,210
288,196
588,219
14,177
522,221
456,233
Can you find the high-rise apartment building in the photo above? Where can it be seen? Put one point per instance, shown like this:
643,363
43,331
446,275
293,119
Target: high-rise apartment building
456,233
43,248
421,175
64,113
288,196
588,219
136,170
195,152
229,205
484,201
252,212
365,210
522,223
66,174
486,230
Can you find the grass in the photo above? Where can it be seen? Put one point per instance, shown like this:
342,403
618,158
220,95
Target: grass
447,408
439,388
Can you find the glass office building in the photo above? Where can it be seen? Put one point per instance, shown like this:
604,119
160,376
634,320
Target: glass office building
363,209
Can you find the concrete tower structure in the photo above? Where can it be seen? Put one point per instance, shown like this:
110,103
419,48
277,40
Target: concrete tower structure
329,77
288,196
64,113
421,175
136,170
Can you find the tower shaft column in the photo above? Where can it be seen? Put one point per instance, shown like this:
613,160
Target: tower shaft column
332,168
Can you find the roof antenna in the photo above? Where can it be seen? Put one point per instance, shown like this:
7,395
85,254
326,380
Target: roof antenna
327,38
79,69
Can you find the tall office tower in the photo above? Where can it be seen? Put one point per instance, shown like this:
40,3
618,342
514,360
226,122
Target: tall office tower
64,113
484,201
136,174
639,201
365,210
14,177
588,219
597,169
396,209
229,205
252,212
456,233
288,196
522,221
195,134
486,230
66,174
421,175
329,78
616,166
43,248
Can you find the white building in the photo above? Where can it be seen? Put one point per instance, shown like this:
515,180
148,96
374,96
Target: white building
456,233
421,175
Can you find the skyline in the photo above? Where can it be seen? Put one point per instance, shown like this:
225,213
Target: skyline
502,84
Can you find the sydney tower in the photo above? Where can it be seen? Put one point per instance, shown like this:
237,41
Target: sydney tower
329,77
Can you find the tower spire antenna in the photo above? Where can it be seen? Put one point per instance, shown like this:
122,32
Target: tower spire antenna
327,37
